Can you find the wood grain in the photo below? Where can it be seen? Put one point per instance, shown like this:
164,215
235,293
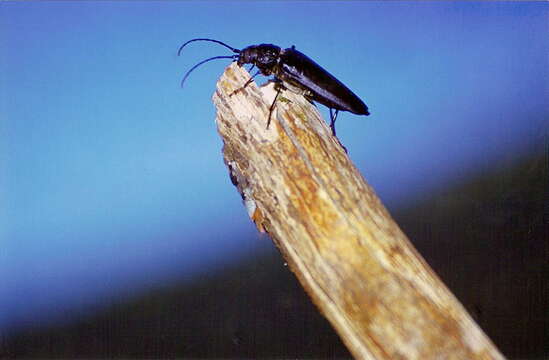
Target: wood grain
358,267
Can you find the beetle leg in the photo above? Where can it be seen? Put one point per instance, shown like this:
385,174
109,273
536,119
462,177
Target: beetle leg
278,89
246,84
333,117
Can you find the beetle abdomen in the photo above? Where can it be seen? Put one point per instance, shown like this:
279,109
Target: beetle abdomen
300,70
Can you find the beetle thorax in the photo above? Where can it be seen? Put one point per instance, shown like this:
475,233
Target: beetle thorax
264,56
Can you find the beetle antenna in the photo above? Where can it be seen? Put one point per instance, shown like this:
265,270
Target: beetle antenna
212,40
234,57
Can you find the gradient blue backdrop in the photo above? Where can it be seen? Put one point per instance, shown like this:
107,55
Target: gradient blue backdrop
112,180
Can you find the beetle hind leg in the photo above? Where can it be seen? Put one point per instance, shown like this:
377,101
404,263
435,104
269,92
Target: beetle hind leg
333,117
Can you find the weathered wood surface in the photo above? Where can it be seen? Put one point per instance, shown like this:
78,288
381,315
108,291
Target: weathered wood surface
358,267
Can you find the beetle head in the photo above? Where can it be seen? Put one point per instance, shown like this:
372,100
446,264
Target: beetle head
264,56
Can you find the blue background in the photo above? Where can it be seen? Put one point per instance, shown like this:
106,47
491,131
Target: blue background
112,180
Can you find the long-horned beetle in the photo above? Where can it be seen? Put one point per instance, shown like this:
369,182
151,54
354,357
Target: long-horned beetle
296,72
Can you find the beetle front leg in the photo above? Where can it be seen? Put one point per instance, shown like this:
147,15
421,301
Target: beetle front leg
246,84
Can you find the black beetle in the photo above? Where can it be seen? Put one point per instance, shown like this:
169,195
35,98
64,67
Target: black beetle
296,72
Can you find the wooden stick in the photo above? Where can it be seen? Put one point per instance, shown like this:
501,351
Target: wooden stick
299,185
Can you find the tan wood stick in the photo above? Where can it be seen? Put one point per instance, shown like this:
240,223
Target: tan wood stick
358,267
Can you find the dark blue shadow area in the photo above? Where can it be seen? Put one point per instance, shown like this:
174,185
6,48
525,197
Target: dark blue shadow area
111,175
